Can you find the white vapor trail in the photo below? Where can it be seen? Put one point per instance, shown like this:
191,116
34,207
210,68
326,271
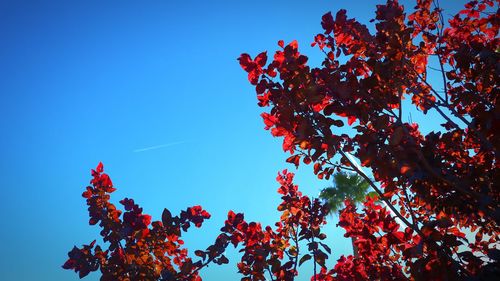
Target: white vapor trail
159,146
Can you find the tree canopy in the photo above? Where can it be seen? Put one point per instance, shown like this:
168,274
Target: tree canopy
440,189
345,187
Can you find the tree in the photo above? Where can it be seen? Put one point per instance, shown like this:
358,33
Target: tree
346,186
139,249
436,186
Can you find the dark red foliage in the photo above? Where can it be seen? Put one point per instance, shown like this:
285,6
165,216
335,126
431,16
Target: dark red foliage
439,185
433,187
276,251
138,248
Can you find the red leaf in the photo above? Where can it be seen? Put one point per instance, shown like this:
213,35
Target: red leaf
88,193
307,160
404,169
246,62
317,168
327,22
99,168
146,219
261,59
294,159
350,120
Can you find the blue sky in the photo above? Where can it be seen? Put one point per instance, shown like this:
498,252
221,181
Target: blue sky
89,81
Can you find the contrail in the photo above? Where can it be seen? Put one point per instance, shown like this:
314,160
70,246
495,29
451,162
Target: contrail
159,146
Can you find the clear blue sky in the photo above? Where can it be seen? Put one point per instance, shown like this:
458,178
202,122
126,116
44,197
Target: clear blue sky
89,81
